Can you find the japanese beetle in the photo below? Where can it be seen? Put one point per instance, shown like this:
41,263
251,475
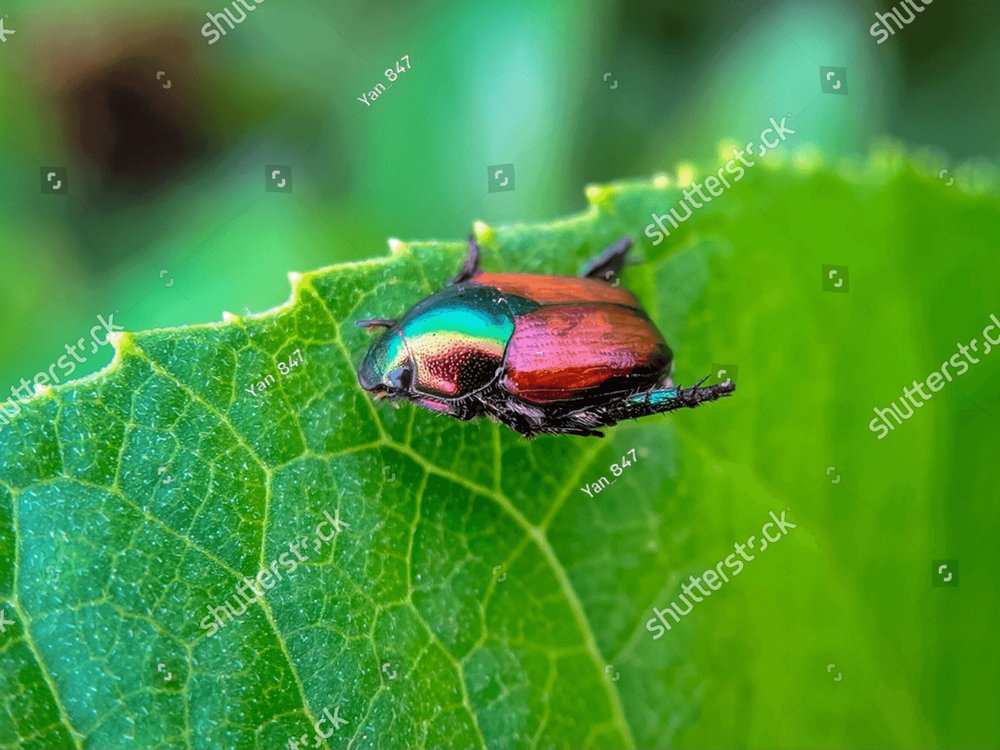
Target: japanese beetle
540,354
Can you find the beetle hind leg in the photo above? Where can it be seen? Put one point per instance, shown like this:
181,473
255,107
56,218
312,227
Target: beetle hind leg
471,266
660,400
609,263
656,400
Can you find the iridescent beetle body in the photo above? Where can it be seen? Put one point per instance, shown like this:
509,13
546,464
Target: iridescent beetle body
541,354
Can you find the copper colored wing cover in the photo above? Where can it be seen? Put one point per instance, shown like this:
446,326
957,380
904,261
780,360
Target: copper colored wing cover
571,352
553,290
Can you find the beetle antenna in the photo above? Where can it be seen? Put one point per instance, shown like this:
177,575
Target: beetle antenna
375,323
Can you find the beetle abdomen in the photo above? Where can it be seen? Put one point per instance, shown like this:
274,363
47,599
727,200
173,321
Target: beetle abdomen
553,290
572,352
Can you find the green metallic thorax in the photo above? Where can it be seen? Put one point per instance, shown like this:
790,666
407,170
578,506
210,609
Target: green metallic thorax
454,340
462,313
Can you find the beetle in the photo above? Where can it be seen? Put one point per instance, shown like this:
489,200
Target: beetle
540,354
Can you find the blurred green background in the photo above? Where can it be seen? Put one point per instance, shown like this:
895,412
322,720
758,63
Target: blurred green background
168,222
167,185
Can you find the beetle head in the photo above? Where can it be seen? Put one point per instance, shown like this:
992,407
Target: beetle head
387,369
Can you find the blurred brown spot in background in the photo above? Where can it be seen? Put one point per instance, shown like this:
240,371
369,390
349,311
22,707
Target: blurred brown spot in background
131,130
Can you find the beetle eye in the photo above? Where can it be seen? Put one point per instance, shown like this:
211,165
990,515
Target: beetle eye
400,378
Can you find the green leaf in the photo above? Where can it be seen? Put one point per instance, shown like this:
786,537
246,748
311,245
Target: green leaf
475,596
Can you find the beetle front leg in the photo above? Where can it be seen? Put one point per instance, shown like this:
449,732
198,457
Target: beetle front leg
609,263
471,266
464,410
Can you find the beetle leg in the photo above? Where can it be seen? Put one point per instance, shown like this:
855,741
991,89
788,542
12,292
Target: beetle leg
531,421
656,400
502,407
609,263
660,400
580,423
463,410
571,430
471,266
375,323
577,423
